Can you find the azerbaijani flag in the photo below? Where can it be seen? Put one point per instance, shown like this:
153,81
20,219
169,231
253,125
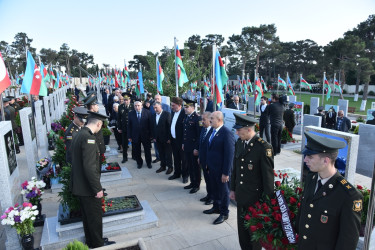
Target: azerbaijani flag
57,82
45,78
337,85
281,82
326,85
218,83
239,87
290,87
258,91
224,76
263,83
29,74
206,87
140,81
159,77
249,85
181,73
37,81
116,80
304,83
4,77
126,72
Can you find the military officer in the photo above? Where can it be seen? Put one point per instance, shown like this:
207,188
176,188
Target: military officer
86,179
89,95
192,129
80,115
330,213
92,105
11,117
252,174
17,108
122,124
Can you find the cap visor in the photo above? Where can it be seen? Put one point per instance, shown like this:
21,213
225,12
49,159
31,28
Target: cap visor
236,126
307,151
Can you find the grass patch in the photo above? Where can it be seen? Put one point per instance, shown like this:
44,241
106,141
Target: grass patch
297,151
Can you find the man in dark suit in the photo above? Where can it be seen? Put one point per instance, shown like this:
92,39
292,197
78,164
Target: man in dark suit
252,174
178,116
192,130
122,124
264,120
162,137
203,147
289,118
235,104
219,162
330,213
343,123
210,105
331,118
110,102
140,131
105,96
276,111
321,114
85,178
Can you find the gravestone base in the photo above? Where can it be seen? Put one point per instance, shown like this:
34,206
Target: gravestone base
39,221
55,236
106,179
111,152
297,129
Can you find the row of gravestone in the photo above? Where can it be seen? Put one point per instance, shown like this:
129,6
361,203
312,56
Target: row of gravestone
34,130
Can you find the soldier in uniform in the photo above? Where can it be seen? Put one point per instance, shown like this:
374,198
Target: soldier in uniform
252,174
122,124
192,130
330,213
92,105
11,117
86,179
80,115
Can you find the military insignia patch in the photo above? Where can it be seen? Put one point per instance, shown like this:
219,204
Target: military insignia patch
324,219
269,152
357,205
69,137
250,166
200,123
90,141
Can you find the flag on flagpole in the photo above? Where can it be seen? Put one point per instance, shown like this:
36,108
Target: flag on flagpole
326,86
126,72
250,86
337,86
29,74
258,91
43,91
223,74
218,83
181,73
206,86
281,82
303,82
159,77
37,81
57,82
4,77
263,83
290,87
140,78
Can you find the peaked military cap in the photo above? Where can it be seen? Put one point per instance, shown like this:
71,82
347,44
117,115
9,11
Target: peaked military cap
320,108
6,99
94,115
91,101
80,111
10,97
242,120
127,95
89,95
291,105
189,102
317,144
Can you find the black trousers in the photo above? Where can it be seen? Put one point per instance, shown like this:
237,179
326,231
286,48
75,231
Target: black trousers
118,136
165,154
125,143
179,159
244,234
220,192
92,214
276,138
193,169
137,151
266,129
207,180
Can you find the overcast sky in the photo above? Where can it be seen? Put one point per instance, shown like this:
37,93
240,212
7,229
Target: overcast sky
116,30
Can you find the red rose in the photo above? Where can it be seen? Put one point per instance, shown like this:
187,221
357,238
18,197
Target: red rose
298,190
292,215
275,208
273,201
298,204
247,217
359,187
269,237
274,225
267,219
253,228
259,225
277,183
285,241
278,217
282,192
292,200
266,209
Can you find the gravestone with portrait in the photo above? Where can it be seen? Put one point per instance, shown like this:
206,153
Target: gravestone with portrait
292,98
41,132
314,104
47,112
10,184
250,105
29,137
55,117
298,116
366,156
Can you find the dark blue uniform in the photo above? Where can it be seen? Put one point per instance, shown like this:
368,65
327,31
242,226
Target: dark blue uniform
192,130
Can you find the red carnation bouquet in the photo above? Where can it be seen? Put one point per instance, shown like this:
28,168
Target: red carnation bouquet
265,219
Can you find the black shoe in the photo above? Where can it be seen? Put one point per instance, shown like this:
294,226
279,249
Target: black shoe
18,151
124,160
139,166
119,148
194,190
212,211
204,198
209,202
149,165
156,160
169,171
173,177
185,180
189,186
221,219
107,243
161,169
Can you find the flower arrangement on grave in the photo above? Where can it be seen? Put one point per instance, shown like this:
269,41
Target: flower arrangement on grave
55,127
60,152
21,218
42,164
110,167
264,219
72,103
103,160
53,172
286,136
257,127
66,198
366,199
33,190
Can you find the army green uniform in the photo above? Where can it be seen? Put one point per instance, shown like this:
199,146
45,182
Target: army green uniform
252,176
86,184
100,141
71,131
122,124
330,218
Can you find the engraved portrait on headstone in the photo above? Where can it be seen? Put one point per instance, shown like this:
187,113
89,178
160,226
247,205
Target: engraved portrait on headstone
32,126
50,108
11,153
43,114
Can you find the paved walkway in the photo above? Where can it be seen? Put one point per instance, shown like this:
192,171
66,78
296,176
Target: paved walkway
182,225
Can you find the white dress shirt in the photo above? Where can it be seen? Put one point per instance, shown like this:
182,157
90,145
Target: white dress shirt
173,124
158,117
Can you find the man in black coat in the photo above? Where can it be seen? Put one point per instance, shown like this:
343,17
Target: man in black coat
289,118
275,112
236,103
162,137
331,118
105,96
178,116
321,114
85,178
122,124
264,120
140,131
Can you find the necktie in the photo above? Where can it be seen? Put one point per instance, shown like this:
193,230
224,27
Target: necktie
139,117
319,185
212,136
204,134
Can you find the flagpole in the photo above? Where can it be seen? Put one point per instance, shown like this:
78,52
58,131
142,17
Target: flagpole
300,83
213,77
278,76
334,77
324,76
255,75
175,65
156,65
